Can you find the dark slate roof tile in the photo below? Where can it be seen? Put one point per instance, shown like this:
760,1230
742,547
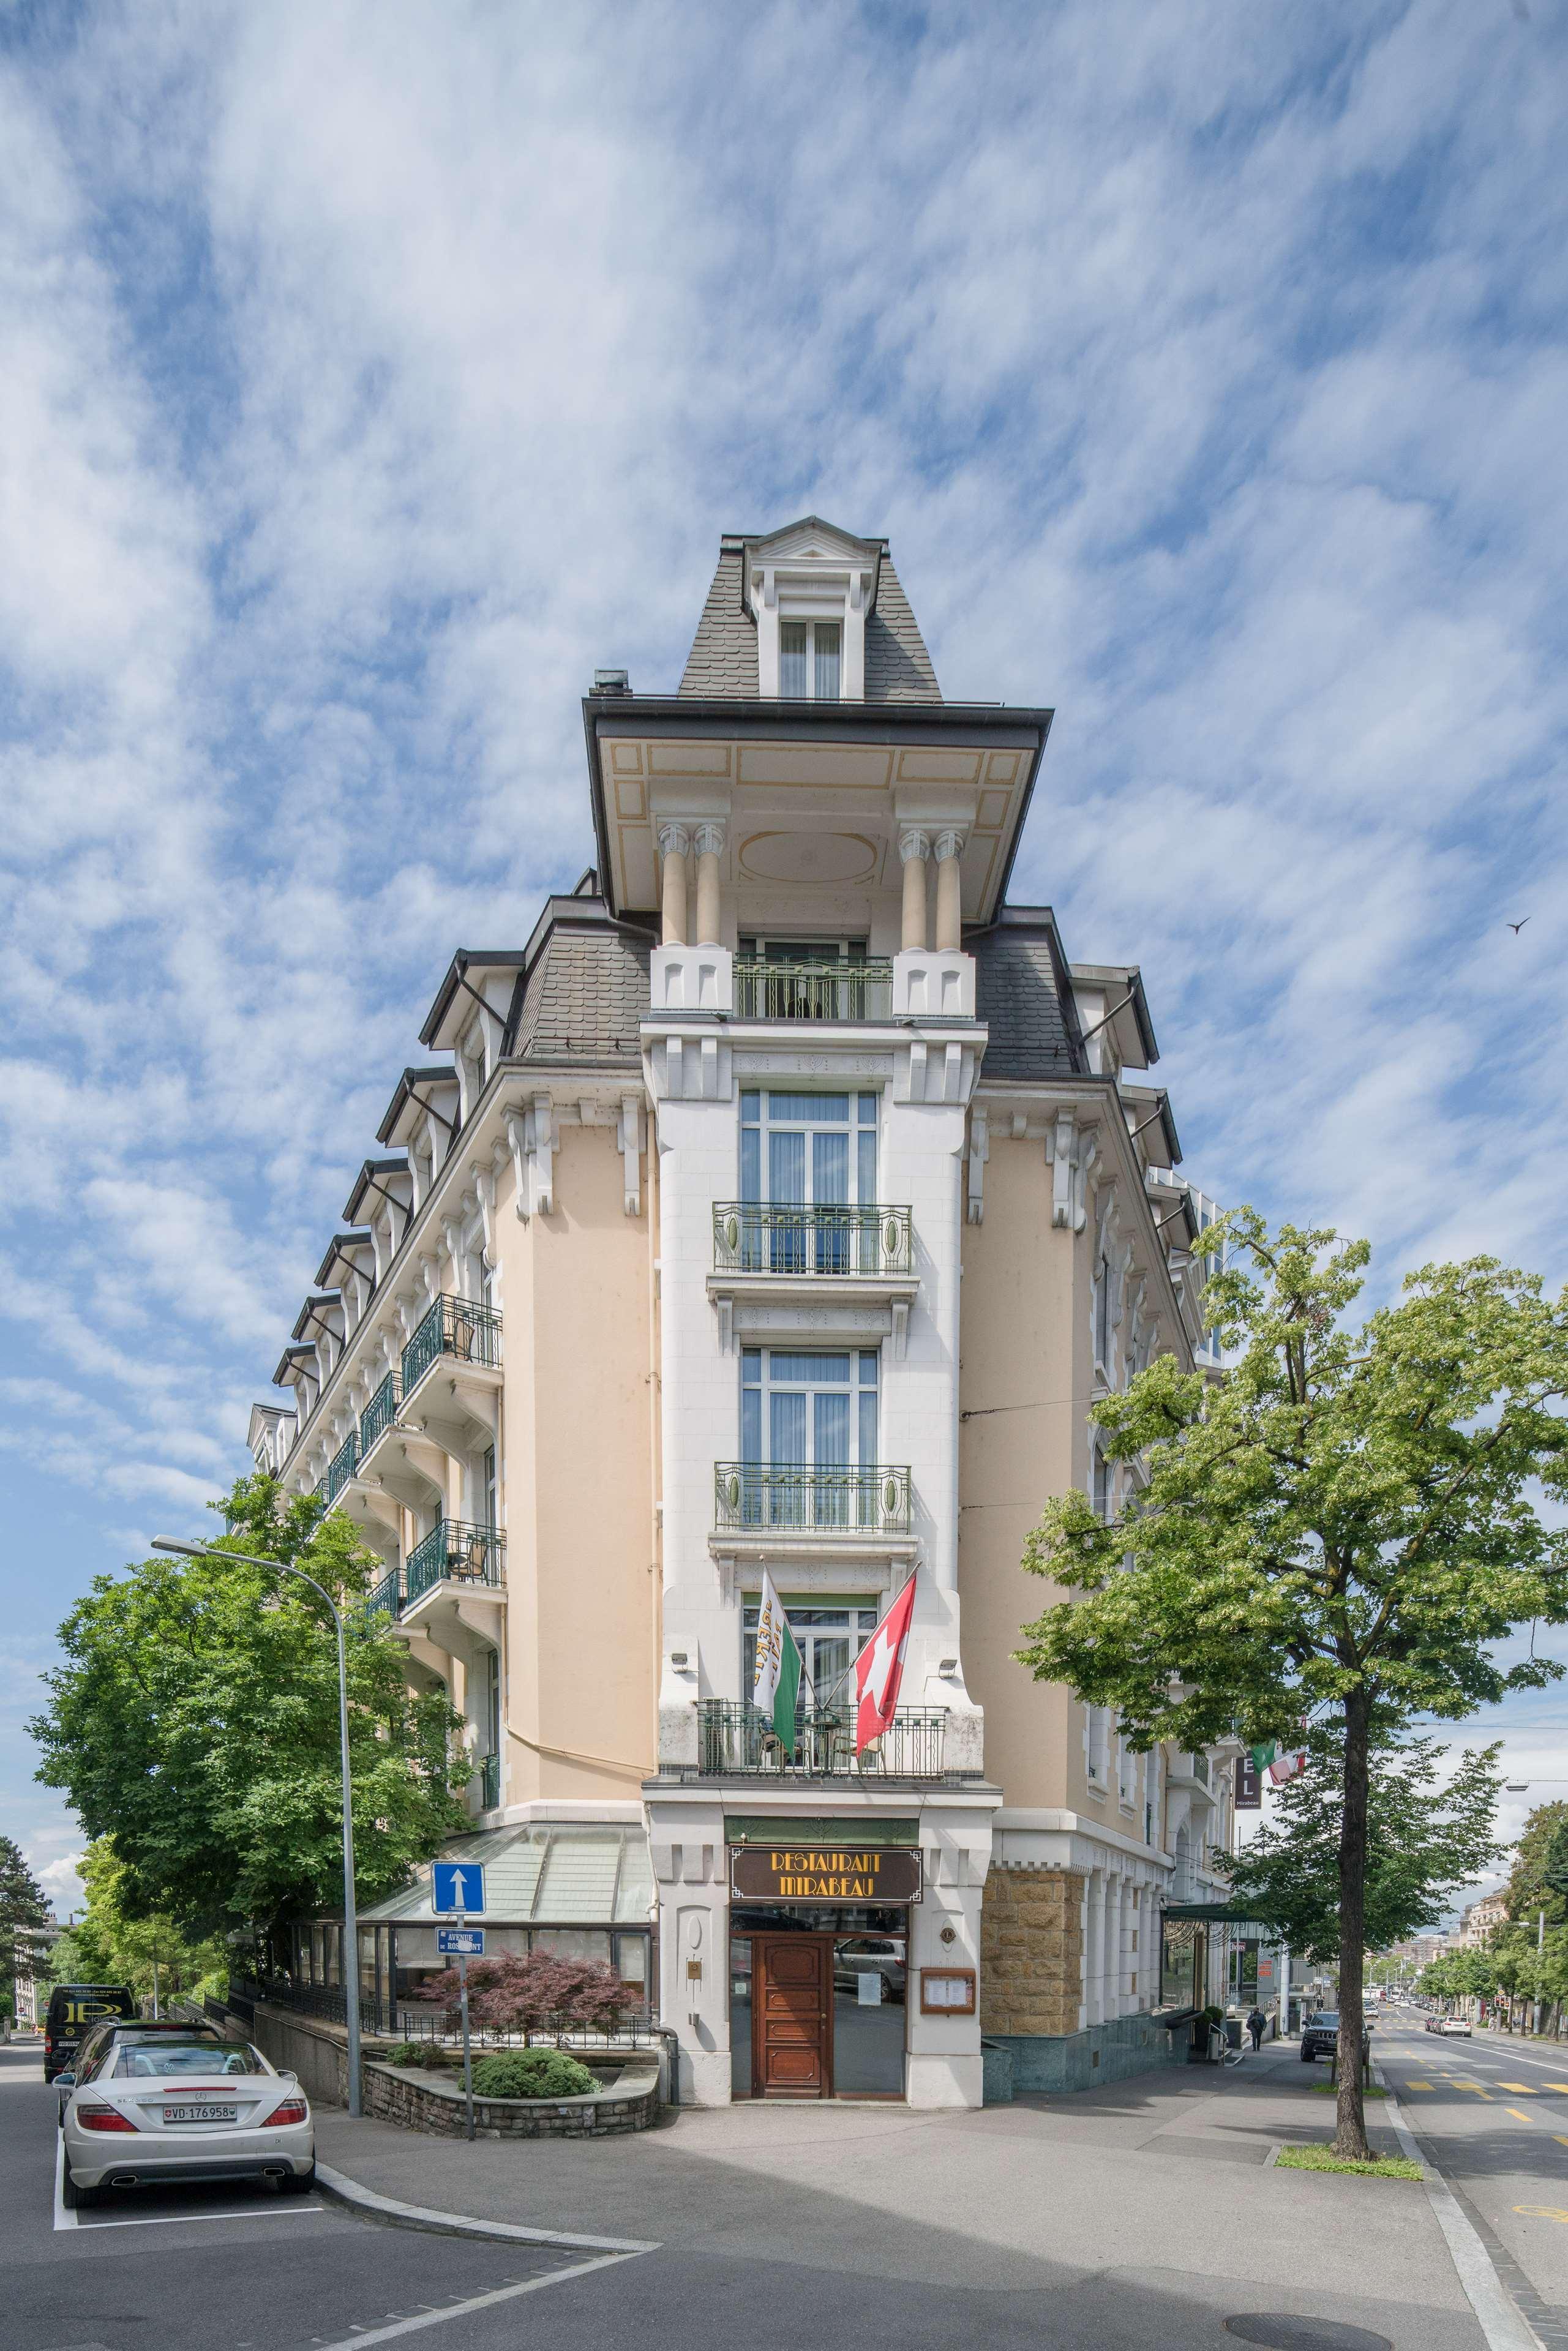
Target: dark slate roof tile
1018,996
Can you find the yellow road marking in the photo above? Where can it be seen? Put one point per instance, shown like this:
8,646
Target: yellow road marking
1540,2212
1528,2088
1554,2085
1476,2087
1417,2086
1559,2137
1518,2113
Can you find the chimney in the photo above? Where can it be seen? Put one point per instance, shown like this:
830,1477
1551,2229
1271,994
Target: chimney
611,680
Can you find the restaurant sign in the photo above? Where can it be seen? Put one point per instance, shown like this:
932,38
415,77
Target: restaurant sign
824,1873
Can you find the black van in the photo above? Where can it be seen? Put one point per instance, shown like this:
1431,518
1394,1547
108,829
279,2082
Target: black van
72,2008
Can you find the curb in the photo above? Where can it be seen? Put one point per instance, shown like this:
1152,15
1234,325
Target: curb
1500,2319
396,2215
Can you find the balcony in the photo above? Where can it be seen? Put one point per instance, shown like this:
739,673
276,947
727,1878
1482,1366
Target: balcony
736,1742
830,1242
752,1496
453,1328
825,990
341,1468
386,1597
379,1413
456,1552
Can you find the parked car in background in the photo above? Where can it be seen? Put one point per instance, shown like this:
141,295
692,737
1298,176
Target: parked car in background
73,2008
1320,2035
157,2106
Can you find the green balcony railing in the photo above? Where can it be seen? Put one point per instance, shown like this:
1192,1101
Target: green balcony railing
736,1741
824,990
761,1237
458,1552
379,1413
387,1595
490,1776
454,1326
342,1467
872,1500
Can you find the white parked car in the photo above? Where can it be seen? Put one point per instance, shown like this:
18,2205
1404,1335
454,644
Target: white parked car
1457,2025
154,2107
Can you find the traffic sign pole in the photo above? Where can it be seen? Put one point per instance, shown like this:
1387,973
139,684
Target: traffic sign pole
467,2059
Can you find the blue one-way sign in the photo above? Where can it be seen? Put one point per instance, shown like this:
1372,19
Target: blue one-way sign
460,1942
459,1886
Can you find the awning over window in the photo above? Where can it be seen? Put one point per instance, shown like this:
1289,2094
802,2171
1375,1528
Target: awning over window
557,1874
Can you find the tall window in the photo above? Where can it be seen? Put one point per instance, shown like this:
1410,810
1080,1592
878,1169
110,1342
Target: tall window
487,1487
809,660
831,1633
808,1430
807,1151
1102,1315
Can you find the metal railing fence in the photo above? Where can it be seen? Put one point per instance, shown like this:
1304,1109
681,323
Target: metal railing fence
763,1237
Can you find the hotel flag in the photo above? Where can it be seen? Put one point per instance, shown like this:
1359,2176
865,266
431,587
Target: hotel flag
1281,1765
879,1669
778,1674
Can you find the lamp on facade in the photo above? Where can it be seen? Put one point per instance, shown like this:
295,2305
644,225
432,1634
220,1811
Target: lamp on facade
350,1917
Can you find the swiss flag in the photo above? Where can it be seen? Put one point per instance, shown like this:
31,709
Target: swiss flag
879,1669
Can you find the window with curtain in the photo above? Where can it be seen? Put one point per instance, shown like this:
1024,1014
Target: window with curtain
809,660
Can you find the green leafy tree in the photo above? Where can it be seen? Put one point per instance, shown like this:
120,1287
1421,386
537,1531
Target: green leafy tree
148,1953
1423,1842
1530,1889
1554,1870
194,1721
23,1904
1339,1531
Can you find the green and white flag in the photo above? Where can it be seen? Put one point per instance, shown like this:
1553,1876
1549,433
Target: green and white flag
777,1676
1282,1765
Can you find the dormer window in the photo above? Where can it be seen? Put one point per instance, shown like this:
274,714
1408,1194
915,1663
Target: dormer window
809,660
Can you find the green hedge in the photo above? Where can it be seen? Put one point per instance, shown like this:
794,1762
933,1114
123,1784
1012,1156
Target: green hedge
532,2073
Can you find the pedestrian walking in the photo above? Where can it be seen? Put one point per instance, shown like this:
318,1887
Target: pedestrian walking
1255,2023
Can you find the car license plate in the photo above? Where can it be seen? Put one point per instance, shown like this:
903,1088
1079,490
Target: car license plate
202,2113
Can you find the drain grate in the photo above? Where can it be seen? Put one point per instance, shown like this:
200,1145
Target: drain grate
1284,2330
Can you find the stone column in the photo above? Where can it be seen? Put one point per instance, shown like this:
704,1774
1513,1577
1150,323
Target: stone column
673,844
914,848
949,916
708,842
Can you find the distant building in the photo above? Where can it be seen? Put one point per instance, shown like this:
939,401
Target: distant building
1481,1922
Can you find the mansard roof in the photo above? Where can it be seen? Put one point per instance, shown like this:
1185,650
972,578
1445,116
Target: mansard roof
586,988
1023,995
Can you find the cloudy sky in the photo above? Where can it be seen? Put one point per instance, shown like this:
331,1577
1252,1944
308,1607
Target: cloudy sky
374,372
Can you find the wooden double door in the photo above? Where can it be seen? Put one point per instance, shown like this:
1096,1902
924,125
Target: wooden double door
792,2016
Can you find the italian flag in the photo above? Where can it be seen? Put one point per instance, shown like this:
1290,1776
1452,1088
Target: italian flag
1279,1764
777,1678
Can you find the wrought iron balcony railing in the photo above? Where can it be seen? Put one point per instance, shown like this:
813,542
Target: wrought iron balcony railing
458,1551
735,1742
379,1413
342,1467
387,1594
872,1500
761,1237
489,1777
824,990
454,1326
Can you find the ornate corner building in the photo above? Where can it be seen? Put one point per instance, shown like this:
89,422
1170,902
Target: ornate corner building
780,1206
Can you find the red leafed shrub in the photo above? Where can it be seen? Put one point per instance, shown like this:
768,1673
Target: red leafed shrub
536,1993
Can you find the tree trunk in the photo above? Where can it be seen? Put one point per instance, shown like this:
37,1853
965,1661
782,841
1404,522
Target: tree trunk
1350,2139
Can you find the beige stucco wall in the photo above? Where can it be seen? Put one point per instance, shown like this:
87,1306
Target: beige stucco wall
582,1669
1024,1343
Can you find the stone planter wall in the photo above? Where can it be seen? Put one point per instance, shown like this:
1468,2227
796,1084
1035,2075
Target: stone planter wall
425,2102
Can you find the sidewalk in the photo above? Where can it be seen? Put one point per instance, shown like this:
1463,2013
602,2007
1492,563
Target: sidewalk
1150,2205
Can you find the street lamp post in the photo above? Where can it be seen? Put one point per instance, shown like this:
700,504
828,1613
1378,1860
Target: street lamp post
350,1919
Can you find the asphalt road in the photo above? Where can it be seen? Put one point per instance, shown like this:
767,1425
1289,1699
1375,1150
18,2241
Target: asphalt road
1492,2114
234,2269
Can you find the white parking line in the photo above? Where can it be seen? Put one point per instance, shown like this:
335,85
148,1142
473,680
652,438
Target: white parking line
67,2218
482,2301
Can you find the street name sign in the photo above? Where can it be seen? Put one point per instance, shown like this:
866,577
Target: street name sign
460,1942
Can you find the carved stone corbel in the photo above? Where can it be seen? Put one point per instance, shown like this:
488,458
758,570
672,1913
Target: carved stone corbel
516,1142
979,1151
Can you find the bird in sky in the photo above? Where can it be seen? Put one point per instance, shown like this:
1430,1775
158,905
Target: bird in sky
1517,927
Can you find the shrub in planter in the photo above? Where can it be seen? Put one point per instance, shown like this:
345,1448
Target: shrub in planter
532,2073
534,1991
417,2053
